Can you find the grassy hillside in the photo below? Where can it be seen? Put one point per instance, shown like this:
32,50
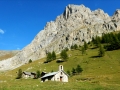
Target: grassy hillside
99,73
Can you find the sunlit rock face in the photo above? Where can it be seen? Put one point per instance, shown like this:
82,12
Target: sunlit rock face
76,25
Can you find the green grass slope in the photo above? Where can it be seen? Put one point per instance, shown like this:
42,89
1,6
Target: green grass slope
99,73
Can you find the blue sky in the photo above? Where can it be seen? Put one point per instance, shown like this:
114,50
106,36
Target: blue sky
21,20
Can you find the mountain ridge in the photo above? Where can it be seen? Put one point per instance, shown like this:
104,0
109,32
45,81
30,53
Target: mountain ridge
74,26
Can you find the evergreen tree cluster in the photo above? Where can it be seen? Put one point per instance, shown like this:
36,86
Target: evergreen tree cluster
96,41
51,56
110,40
74,46
75,71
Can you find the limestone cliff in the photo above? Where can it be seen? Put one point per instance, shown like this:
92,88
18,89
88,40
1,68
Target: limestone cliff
76,25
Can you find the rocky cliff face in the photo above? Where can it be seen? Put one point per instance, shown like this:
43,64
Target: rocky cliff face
76,25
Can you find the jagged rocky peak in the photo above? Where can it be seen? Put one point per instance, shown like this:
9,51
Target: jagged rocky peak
84,14
117,12
100,13
116,15
76,25
71,8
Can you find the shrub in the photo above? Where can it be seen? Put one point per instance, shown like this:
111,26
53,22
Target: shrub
30,61
73,71
38,74
101,51
68,72
19,74
79,69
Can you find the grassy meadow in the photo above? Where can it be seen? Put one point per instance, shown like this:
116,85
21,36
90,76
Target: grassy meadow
99,73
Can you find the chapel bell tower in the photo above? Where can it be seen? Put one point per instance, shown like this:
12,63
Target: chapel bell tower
60,67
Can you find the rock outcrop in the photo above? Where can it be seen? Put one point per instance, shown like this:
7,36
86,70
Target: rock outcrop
76,25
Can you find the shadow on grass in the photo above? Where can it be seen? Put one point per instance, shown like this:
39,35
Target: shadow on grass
95,56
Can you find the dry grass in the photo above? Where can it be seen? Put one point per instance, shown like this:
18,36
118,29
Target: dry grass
7,54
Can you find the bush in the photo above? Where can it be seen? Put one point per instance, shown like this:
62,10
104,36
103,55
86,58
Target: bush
73,71
79,69
38,74
68,72
101,51
83,50
66,49
30,61
85,46
75,46
19,74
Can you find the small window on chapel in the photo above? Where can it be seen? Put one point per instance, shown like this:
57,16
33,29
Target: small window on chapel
61,67
61,73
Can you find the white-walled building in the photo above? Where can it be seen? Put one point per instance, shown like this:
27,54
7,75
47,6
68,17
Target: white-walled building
60,75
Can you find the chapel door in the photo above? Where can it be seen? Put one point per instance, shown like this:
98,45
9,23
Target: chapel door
61,79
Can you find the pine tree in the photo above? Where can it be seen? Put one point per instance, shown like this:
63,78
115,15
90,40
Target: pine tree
72,47
79,69
49,57
66,49
73,71
19,74
83,50
30,61
75,46
64,55
53,55
101,51
97,41
37,74
85,46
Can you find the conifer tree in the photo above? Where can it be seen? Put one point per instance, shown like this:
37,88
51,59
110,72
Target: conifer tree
64,55
66,49
72,47
83,50
37,74
19,74
73,71
97,41
85,46
75,46
79,69
49,57
30,61
53,55
101,51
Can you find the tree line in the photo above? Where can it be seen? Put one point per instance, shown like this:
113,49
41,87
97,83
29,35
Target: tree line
111,41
